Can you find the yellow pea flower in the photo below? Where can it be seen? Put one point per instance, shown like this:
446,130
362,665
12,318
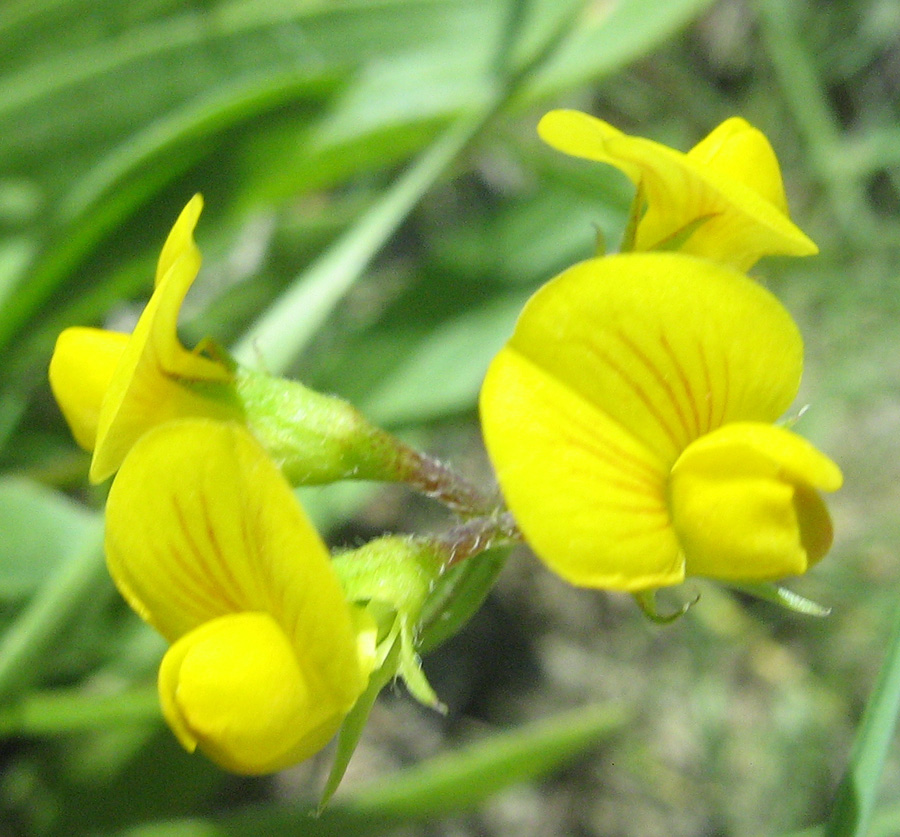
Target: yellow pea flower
206,541
629,419
111,388
725,197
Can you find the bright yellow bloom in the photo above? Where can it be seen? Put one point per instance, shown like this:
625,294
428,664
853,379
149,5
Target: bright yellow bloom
81,370
111,389
629,419
725,195
208,544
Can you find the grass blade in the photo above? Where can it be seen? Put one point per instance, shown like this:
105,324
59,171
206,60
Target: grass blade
857,792
283,331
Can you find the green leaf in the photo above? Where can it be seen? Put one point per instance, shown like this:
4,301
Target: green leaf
457,781
857,793
62,712
41,528
287,326
457,595
446,784
54,606
609,37
443,374
355,723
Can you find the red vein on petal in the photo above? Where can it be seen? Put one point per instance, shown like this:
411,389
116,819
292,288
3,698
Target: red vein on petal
201,598
617,458
685,383
206,573
261,566
707,377
726,391
642,396
663,384
192,602
226,576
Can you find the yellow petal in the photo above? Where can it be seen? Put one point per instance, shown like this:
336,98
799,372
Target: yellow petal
730,182
745,506
200,523
741,153
589,498
179,245
667,346
233,686
81,369
152,382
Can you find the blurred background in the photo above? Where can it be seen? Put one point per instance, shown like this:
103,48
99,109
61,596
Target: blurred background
378,208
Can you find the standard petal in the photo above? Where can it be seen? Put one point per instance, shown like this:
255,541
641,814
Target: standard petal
81,370
157,378
178,265
233,687
665,345
179,245
200,524
737,215
744,503
142,394
589,498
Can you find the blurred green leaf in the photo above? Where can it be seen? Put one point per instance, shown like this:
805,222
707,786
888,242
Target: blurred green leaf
64,712
857,793
609,37
59,600
443,374
41,528
457,781
448,783
289,324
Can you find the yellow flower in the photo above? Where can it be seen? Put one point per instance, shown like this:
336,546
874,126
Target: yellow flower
112,388
629,419
725,197
207,543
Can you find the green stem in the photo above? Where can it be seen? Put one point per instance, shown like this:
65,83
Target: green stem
439,481
317,439
478,535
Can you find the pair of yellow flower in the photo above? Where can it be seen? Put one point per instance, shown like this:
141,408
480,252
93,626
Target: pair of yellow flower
630,416
206,541
629,419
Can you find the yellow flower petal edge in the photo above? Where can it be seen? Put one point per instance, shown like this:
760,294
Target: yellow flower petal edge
616,370
152,381
745,505
208,544
81,369
727,192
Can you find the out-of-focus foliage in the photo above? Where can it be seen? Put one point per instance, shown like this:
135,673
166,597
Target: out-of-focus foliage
378,209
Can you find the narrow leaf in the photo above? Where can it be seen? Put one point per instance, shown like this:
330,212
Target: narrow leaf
858,790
